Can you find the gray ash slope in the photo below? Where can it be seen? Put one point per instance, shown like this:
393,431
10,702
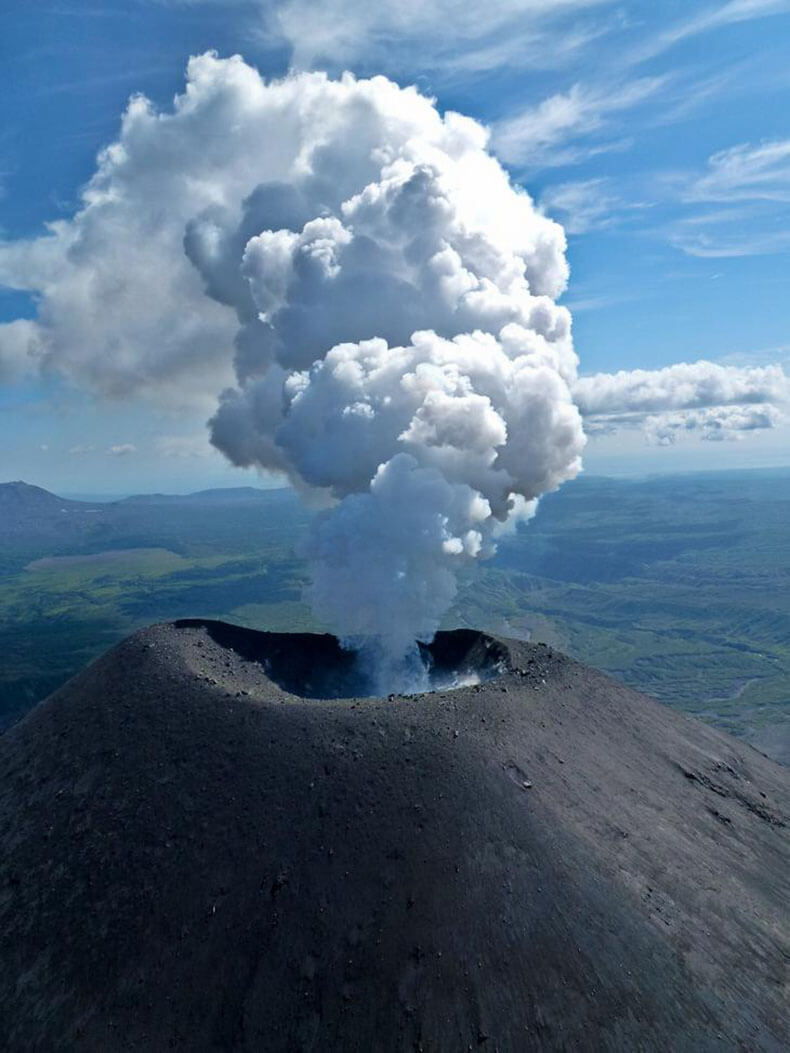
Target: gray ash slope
195,858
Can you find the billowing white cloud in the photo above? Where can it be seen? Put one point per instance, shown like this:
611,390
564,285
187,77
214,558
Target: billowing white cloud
383,293
399,351
356,282
713,400
122,309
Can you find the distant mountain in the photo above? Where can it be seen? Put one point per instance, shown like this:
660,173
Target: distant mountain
35,522
23,498
20,492
25,509
19,498
231,495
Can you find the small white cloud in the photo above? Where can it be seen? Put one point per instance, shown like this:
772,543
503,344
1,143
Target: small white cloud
712,400
715,424
122,449
80,450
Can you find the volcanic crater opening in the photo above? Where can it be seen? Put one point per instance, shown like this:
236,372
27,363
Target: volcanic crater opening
312,665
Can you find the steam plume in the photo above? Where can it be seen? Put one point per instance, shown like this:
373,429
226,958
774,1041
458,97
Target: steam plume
380,297
399,349
380,324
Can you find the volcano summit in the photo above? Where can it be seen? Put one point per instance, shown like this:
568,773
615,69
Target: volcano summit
199,854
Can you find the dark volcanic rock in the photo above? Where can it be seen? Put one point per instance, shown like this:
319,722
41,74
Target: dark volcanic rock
194,859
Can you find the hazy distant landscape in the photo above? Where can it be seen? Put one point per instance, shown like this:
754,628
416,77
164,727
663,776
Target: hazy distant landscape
678,586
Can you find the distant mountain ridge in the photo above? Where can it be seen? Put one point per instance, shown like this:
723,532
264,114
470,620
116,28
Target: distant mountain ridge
22,495
35,522
25,508
231,495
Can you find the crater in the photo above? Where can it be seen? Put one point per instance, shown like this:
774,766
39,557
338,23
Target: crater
313,665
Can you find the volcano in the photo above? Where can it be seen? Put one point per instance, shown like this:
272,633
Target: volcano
206,847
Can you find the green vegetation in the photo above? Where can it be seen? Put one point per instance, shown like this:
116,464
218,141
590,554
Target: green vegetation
66,597
679,586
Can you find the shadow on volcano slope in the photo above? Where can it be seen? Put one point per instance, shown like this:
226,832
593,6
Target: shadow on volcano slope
193,858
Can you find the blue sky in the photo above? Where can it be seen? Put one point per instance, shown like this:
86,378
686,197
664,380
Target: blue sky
657,134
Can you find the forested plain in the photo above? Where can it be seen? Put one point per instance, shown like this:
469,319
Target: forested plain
679,586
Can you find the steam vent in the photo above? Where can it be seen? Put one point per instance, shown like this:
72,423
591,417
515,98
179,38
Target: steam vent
199,852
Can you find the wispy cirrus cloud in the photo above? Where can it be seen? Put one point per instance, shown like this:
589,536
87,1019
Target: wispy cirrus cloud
585,205
746,172
451,36
763,356
713,245
607,116
581,206
738,204
710,18
560,129
443,37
